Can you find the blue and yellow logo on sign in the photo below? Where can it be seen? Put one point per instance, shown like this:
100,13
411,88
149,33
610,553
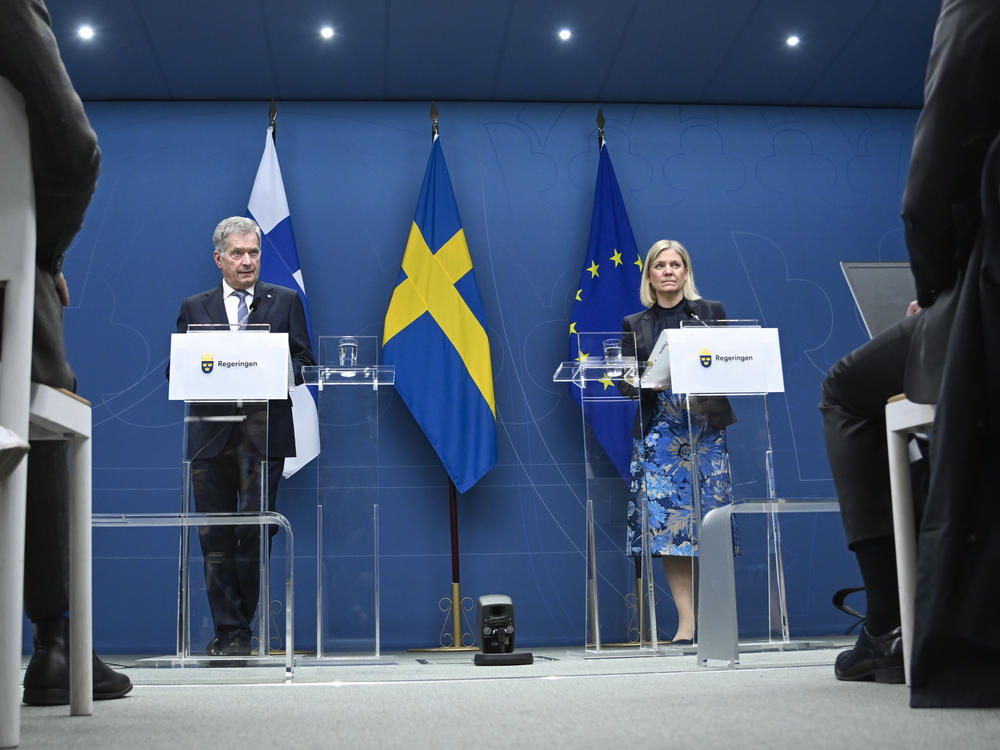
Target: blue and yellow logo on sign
207,363
705,357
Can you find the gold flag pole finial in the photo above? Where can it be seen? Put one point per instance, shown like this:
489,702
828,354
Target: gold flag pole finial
600,128
272,114
434,120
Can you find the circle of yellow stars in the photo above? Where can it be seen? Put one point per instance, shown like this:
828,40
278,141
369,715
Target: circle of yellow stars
594,268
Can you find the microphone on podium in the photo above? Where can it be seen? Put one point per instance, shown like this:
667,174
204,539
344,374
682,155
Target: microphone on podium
689,311
253,306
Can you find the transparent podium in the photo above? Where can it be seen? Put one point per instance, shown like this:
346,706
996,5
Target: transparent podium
725,369
228,380
352,389
604,387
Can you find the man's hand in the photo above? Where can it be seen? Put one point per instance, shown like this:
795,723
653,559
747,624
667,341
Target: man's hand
912,308
63,288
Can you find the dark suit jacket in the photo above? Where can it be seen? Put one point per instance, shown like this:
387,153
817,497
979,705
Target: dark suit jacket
643,325
941,211
282,309
65,163
949,191
958,122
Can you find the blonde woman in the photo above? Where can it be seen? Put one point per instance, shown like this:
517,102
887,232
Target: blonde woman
661,458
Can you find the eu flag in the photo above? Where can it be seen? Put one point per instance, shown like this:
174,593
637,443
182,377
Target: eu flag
279,264
435,335
607,292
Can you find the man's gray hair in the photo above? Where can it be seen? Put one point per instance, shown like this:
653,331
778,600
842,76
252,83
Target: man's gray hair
233,225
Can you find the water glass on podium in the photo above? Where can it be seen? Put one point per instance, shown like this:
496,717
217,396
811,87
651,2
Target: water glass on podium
348,351
613,362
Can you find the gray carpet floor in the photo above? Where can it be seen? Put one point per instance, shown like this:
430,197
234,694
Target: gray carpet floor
442,700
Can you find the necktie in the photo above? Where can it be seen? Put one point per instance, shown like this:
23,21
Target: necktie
242,313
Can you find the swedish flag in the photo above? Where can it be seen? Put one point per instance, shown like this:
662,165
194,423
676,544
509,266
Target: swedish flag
435,335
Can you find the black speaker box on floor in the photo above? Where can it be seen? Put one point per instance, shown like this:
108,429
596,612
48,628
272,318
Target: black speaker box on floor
496,632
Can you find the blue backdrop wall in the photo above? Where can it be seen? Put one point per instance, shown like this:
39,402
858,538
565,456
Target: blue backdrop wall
768,200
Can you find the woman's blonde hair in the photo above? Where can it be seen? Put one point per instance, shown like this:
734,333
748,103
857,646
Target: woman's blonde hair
646,293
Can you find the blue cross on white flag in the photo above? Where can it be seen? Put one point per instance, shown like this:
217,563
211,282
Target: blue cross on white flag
279,264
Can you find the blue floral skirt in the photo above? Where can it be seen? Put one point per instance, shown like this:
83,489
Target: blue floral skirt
661,476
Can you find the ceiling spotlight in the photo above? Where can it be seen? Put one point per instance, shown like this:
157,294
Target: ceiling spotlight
326,32
85,32
793,41
565,34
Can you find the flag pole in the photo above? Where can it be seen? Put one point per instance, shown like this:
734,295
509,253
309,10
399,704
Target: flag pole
272,114
637,560
456,586
456,579
457,643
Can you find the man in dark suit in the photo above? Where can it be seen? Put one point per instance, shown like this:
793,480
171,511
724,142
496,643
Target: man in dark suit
236,465
65,164
952,215
937,355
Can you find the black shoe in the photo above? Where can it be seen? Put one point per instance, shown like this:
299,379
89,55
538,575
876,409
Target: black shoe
682,642
878,658
46,681
214,647
238,645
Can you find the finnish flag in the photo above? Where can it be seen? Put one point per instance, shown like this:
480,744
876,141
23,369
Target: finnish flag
279,264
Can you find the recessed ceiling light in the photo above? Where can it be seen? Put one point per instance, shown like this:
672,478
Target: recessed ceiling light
85,32
793,41
565,34
326,32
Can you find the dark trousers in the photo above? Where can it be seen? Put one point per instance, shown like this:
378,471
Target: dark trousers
46,531
228,483
853,405
46,523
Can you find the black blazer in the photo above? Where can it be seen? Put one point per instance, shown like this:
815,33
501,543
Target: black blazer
65,162
643,325
941,202
282,309
950,189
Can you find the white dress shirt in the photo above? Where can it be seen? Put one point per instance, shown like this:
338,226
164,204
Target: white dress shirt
232,301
